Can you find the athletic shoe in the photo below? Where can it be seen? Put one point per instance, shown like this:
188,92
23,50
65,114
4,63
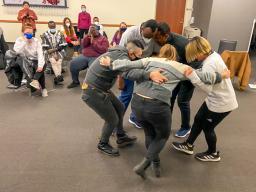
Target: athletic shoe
108,149
73,85
252,86
35,84
11,86
135,122
183,147
182,133
44,93
208,157
125,141
24,82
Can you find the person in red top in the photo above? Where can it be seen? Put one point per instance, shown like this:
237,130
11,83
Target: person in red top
27,16
70,35
94,44
84,22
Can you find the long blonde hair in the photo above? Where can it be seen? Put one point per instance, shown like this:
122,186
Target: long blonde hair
169,52
198,46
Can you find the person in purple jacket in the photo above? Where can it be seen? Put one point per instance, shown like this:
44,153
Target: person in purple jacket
94,44
84,22
118,35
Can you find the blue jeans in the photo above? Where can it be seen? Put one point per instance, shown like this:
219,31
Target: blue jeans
78,64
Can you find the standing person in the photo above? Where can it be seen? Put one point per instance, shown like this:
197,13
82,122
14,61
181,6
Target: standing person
185,89
84,22
220,101
118,35
27,16
97,95
70,35
144,33
94,44
96,21
30,48
53,45
151,101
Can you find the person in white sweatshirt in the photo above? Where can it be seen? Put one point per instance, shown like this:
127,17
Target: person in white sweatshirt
30,48
220,101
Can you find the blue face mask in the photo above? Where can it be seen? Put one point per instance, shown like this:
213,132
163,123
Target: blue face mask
53,31
28,35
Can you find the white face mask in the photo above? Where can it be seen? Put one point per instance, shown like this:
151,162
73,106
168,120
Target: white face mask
146,40
83,9
68,24
96,23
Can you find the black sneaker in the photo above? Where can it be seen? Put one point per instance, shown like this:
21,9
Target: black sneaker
207,156
125,141
60,78
73,85
183,147
108,149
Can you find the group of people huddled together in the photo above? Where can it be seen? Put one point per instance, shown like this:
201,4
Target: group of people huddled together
153,67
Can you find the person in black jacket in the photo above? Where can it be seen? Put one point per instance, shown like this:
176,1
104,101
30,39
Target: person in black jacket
185,89
3,48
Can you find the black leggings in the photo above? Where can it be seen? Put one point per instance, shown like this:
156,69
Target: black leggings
155,118
39,76
206,120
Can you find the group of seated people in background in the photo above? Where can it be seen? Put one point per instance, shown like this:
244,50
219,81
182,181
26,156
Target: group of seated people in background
164,65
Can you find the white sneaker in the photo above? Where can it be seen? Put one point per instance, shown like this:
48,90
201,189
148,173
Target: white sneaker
44,93
252,86
35,84
23,82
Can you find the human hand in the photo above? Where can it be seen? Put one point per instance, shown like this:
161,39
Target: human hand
105,61
188,71
39,69
225,74
157,77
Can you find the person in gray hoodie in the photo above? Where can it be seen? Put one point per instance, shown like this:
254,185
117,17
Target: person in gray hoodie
98,96
151,101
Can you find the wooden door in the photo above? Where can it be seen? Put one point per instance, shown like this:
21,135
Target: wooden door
172,12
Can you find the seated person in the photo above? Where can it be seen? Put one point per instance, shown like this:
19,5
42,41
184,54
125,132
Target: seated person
118,35
96,21
3,48
53,46
94,44
70,35
30,48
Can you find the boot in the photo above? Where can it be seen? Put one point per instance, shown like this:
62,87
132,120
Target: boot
141,168
156,168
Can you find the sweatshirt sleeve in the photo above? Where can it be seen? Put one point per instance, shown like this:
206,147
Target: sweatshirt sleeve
19,45
101,45
125,64
137,75
40,55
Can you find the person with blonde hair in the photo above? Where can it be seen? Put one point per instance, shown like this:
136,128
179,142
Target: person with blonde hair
151,100
220,101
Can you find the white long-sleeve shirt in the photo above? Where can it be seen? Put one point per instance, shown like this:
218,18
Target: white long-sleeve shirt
221,97
31,50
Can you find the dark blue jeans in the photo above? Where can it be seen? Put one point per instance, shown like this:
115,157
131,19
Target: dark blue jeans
184,90
78,64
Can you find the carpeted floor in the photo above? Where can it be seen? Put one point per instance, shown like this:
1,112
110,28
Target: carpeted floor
49,145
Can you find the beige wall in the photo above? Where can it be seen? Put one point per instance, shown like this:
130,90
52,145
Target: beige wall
109,12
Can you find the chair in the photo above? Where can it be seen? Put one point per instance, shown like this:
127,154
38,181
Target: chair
226,45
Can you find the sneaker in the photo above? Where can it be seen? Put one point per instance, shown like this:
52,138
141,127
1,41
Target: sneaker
252,86
60,78
207,156
156,168
183,147
182,133
35,84
108,149
73,85
44,93
135,123
125,141
24,82
11,86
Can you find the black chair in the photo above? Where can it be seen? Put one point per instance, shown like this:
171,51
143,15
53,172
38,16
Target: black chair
227,45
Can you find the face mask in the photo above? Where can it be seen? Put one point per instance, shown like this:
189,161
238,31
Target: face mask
136,58
96,23
28,35
146,40
83,9
123,29
68,24
52,31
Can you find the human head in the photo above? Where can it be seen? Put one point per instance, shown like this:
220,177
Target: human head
83,8
149,28
123,27
67,22
25,4
169,52
96,20
198,48
94,31
52,26
27,31
134,48
162,34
